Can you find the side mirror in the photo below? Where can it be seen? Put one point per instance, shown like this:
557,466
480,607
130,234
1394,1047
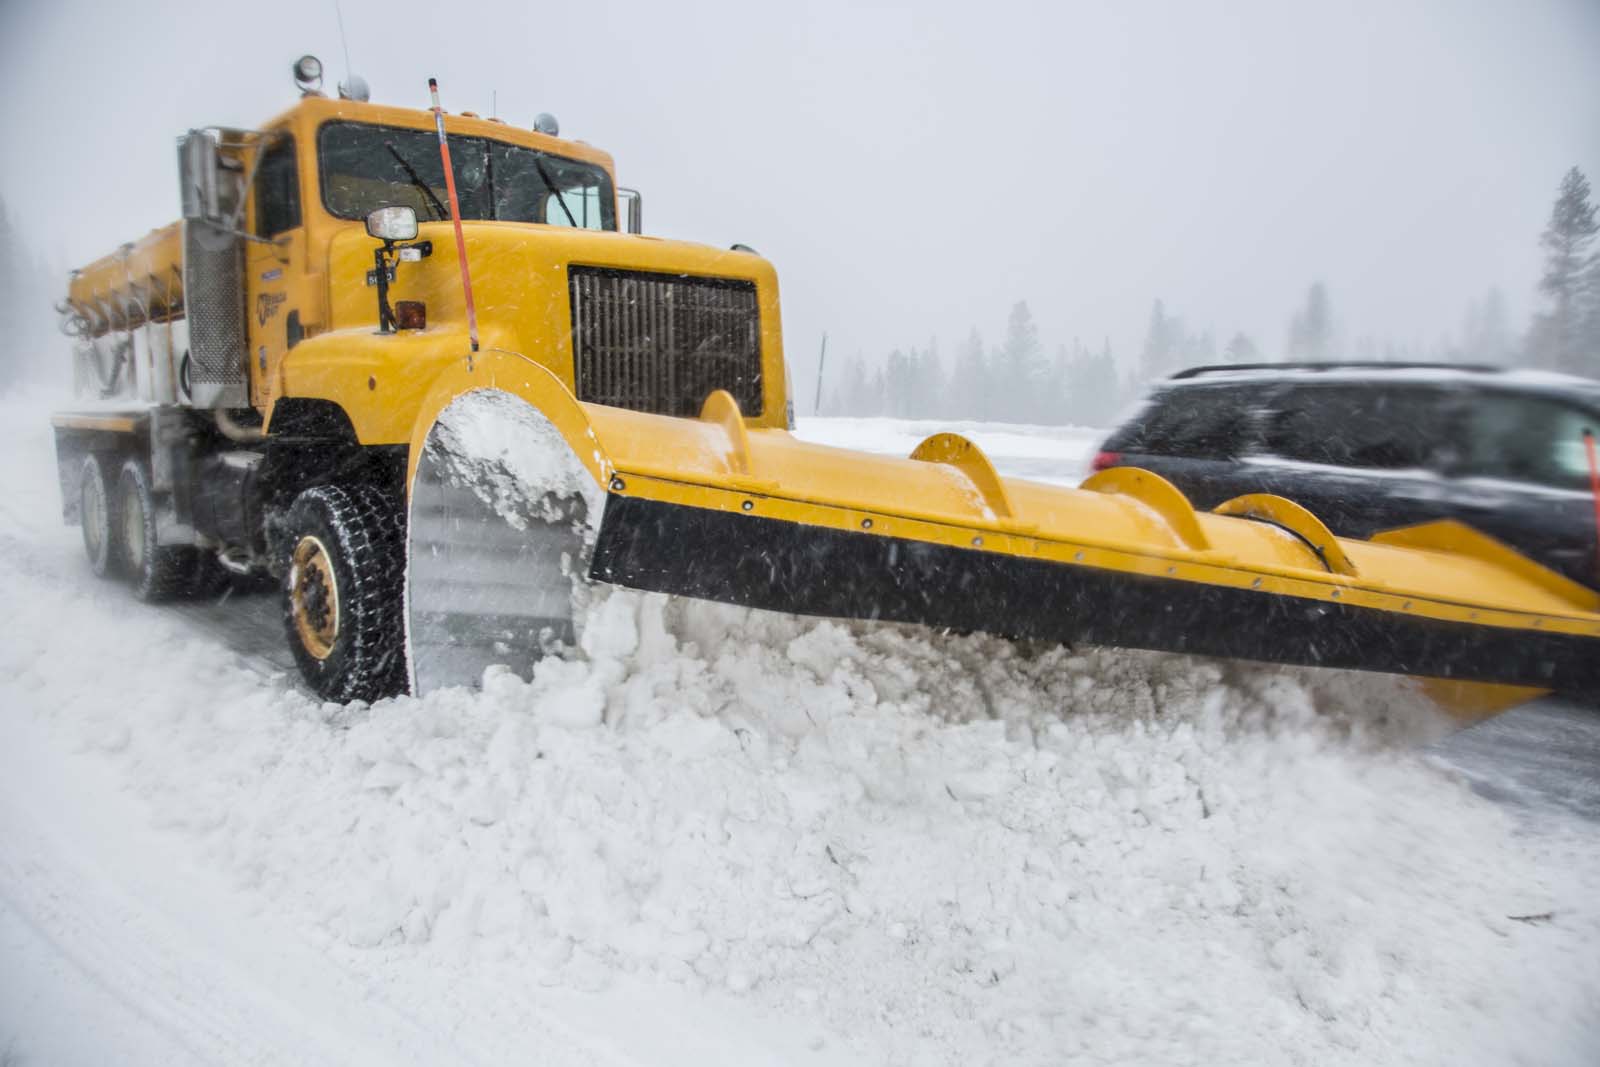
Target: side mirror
392,224
634,207
197,174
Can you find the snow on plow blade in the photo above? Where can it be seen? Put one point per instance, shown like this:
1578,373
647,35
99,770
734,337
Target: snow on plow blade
940,539
721,509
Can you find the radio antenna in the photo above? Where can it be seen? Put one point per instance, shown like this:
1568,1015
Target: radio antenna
344,43
455,212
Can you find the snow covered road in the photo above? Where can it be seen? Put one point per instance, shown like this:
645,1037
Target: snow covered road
714,836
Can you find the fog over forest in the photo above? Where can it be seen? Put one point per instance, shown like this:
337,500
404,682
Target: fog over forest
1046,204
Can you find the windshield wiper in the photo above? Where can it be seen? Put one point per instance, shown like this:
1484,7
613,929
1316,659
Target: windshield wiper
411,173
544,176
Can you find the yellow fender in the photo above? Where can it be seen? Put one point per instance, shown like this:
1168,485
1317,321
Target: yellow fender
514,373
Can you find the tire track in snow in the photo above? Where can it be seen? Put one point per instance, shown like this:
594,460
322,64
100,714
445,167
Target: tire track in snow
158,966
87,927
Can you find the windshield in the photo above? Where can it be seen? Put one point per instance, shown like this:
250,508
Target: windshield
365,167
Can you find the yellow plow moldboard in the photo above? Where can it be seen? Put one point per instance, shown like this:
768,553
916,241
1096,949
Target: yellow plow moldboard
781,565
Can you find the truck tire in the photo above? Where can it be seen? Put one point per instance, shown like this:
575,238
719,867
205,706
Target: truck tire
157,571
100,533
343,591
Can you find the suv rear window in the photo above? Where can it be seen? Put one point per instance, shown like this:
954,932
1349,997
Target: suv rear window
1392,428
1211,422
1529,439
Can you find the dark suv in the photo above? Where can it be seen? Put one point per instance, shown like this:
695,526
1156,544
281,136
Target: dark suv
1368,447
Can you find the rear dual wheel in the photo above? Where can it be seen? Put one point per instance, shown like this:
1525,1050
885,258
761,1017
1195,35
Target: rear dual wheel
100,541
157,571
120,535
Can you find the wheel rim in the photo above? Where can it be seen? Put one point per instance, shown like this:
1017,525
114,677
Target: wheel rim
314,597
133,530
92,505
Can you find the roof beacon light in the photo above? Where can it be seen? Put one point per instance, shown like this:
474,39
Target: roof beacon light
354,87
308,75
546,124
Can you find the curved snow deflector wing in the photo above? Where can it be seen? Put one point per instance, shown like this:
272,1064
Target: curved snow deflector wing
1285,513
716,509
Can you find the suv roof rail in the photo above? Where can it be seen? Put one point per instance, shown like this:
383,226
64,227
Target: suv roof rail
1223,368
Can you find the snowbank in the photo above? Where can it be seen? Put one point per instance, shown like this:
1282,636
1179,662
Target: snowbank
1055,454
916,848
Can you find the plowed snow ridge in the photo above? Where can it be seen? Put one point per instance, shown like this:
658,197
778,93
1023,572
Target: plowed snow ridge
917,848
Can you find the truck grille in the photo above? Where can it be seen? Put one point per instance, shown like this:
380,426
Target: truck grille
662,343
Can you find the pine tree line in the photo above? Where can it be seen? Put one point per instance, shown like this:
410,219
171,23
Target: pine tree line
1565,335
11,311
31,349
1018,381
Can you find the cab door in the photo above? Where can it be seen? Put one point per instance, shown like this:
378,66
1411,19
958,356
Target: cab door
277,290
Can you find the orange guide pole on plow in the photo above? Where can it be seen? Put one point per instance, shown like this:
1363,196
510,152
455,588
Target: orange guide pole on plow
1594,487
455,213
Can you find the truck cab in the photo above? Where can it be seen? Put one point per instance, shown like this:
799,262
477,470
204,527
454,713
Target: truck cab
322,167
275,342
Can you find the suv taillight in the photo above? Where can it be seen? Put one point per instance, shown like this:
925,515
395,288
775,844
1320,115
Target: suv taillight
1103,460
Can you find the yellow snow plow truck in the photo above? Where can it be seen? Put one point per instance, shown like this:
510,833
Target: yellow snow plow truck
426,370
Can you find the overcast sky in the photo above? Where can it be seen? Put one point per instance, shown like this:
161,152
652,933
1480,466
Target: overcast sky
915,169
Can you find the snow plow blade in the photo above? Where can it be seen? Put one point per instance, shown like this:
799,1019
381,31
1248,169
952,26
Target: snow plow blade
939,539
720,509
783,566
